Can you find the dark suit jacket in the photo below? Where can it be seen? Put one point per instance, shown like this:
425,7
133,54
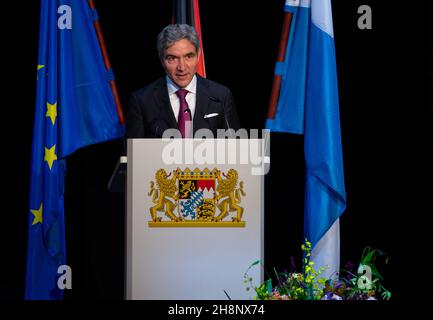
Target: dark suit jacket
150,112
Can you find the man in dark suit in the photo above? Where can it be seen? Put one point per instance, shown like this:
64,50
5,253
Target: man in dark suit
182,99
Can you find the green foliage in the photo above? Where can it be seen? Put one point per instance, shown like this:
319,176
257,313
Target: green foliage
366,283
310,284
307,285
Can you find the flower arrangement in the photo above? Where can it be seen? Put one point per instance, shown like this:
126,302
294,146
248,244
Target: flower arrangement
310,284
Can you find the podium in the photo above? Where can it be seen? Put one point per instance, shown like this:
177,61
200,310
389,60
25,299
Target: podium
194,221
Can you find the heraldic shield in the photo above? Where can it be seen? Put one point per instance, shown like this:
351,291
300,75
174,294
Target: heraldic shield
198,198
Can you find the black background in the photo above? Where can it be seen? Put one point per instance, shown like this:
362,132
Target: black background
385,89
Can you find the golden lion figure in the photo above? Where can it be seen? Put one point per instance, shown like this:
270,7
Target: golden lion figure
167,189
227,189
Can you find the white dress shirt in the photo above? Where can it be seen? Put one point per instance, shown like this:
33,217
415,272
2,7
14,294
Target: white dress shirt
190,97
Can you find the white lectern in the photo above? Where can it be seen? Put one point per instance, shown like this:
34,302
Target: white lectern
194,218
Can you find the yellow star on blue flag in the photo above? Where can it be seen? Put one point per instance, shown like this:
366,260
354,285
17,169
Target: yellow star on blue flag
50,156
52,111
37,214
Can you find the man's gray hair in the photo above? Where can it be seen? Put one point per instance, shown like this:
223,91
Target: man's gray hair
173,33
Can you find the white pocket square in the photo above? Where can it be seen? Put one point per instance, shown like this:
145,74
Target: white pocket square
210,115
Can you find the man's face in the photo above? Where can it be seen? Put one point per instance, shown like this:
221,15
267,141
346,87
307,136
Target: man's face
180,62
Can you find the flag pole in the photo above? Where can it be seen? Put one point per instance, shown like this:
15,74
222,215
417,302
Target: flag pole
107,64
275,93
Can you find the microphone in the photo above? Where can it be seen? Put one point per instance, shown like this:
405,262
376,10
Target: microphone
157,131
229,129
215,99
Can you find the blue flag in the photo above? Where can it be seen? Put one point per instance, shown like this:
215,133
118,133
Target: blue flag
75,107
308,104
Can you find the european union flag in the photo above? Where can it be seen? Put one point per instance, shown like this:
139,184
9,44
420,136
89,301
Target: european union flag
75,107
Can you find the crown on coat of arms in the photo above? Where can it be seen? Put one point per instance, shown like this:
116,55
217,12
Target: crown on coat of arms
197,198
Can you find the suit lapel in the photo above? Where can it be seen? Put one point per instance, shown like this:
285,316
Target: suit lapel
201,104
163,103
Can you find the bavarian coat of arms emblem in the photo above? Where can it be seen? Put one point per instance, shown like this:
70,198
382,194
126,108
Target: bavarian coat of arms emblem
198,198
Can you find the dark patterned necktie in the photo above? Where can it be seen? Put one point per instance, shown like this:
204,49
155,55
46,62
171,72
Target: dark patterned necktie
184,117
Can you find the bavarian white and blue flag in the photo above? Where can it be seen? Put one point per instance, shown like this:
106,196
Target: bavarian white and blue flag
308,104
75,107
